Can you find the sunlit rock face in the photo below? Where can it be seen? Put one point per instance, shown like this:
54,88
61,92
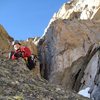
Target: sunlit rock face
68,47
80,9
5,39
65,51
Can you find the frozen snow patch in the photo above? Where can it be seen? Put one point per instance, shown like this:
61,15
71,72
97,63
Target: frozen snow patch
85,92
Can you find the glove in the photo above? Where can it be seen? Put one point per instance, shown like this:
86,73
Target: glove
18,54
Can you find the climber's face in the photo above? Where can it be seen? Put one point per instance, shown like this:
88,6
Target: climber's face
16,46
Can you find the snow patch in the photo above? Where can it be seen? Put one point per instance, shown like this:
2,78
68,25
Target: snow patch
85,92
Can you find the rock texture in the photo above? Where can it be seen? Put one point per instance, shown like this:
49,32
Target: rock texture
79,9
66,44
17,83
68,52
5,39
69,46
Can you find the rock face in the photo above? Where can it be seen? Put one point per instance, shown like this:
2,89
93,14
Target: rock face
79,9
69,46
5,39
17,83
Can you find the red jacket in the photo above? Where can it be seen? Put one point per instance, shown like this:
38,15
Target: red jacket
25,52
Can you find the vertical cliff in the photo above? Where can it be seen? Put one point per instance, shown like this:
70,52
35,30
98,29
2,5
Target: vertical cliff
69,46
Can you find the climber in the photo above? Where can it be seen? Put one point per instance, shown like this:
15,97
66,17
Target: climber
24,52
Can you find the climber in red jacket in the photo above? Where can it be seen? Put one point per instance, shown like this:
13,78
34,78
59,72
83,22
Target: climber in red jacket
20,51
24,52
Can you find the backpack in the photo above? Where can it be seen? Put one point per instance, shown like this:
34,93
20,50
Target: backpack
31,62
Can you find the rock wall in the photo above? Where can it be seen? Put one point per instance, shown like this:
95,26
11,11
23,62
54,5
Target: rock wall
69,46
66,44
5,39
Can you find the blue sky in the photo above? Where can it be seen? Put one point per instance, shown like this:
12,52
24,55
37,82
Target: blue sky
27,18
